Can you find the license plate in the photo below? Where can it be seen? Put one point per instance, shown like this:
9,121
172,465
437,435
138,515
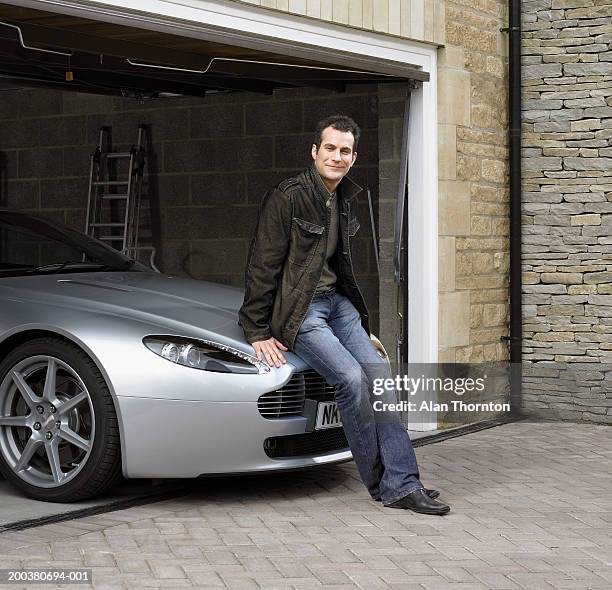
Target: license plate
328,416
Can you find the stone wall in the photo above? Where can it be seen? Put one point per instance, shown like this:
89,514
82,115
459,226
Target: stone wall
473,189
210,162
567,222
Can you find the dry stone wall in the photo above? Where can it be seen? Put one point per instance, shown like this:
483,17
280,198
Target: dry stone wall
567,208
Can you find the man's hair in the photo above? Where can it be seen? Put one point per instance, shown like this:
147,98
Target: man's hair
340,123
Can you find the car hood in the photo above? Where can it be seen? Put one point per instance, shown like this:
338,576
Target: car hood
163,301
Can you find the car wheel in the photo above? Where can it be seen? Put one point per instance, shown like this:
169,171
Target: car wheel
59,435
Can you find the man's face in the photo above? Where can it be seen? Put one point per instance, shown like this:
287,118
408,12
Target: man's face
335,157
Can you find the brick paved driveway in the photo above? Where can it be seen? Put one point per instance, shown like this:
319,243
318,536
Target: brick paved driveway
531,509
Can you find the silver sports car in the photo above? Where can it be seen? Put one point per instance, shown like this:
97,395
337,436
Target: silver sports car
107,367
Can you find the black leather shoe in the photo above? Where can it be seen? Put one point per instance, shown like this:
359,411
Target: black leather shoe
419,501
433,494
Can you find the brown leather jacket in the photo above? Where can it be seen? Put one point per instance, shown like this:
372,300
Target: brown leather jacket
286,257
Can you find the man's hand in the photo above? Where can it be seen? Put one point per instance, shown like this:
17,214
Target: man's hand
269,350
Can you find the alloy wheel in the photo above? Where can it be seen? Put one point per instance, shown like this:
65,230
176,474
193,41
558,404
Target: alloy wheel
47,421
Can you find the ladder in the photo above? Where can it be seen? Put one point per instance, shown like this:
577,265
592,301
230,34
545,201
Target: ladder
114,203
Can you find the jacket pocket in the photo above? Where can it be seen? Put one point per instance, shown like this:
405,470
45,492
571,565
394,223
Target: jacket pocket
308,226
353,227
305,237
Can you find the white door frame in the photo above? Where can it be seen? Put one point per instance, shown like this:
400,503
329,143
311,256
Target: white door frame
254,25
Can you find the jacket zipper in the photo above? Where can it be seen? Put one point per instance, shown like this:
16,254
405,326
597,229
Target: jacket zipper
348,241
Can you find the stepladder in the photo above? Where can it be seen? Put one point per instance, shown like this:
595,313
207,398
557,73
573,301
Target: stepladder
114,200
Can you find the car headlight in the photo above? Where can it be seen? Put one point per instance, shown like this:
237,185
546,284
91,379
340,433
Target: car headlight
205,355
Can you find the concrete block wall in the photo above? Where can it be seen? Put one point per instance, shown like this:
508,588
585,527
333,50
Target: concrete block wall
210,162
567,211
391,105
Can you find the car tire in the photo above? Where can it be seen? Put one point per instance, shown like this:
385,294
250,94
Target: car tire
59,433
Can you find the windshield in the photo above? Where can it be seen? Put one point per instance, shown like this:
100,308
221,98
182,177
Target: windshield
34,245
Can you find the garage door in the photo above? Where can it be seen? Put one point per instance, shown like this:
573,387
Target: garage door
93,55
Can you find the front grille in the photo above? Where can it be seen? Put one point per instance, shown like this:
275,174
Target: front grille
310,443
289,399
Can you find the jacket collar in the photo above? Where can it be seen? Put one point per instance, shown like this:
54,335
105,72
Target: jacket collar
347,190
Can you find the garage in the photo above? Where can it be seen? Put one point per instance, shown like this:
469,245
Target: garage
229,97
264,88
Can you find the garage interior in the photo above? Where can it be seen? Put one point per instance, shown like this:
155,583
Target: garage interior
224,123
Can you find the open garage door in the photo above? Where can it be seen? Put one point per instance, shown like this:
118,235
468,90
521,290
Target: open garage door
91,55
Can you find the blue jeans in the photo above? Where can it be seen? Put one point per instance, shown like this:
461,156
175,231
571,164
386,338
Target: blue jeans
333,342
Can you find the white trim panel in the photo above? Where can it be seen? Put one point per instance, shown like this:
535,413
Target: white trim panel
188,17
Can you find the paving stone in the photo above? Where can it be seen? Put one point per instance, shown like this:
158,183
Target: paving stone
514,525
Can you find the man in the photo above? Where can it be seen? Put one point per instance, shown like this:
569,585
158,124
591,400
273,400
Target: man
301,295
